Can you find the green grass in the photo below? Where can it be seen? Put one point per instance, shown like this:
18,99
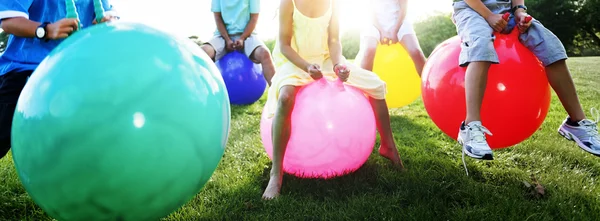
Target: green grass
435,186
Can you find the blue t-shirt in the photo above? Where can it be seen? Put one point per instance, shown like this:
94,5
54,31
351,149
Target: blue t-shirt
23,54
235,13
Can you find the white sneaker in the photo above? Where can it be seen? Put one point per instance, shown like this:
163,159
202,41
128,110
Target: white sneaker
585,135
472,138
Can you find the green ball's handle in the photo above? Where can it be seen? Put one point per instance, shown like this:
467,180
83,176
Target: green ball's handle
98,10
72,11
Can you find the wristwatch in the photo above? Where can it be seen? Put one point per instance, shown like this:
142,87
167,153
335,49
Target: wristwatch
40,31
514,9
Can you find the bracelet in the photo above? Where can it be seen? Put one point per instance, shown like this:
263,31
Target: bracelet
335,66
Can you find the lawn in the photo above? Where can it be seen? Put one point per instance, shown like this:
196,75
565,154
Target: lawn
435,186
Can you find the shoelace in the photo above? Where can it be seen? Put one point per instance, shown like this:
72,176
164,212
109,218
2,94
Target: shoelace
480,131
591,127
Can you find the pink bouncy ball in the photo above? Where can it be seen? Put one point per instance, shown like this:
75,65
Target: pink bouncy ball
333,131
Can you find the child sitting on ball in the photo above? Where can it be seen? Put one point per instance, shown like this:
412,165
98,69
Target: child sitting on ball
34,31
476,21
389,26
309,48
236,21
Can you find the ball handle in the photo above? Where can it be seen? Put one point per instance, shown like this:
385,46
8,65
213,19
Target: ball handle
98,10
71,10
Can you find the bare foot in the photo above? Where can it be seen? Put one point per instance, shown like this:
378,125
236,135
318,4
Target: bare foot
391,153
272,190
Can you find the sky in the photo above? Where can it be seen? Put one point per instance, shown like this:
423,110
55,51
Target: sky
193,17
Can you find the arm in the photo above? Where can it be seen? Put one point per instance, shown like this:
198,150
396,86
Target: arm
480,8
335,46
250,26
14,18
403,11
221,26
254,9
286,31
20,26
518,2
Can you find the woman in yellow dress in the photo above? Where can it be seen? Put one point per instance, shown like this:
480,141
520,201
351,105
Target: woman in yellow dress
308,49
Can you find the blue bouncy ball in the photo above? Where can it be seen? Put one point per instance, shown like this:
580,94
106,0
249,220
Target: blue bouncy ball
243,78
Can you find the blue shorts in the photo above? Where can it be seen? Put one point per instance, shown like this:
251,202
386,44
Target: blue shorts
478,37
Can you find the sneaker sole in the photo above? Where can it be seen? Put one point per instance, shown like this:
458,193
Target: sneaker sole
569,136
484,157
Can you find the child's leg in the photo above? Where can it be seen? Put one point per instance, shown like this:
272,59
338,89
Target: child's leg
372,85
258,52
411,45
475,84
368,47
11,85
548,48
408,39
281,131
560,79
477,51
388,145
215,48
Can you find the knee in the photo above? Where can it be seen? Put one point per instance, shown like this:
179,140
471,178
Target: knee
209,50
415,52
262,55
286,101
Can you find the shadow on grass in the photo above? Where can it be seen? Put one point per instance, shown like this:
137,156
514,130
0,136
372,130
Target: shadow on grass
435,187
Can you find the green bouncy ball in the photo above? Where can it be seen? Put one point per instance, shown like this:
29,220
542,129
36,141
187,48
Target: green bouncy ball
120,122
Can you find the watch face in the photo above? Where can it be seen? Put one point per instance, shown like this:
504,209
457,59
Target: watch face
40,32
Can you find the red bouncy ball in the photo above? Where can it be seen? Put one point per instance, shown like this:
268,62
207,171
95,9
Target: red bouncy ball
516,99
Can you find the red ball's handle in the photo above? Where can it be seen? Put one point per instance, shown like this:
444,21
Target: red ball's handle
528,19
506,16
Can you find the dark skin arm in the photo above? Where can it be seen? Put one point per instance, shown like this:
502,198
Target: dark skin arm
239,44
494,20
23,27
223,30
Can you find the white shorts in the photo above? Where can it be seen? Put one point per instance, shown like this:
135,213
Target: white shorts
371,31
218,43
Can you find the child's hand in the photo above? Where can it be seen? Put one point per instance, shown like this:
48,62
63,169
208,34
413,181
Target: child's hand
496,22
229,45
314,70
342,72
239,44
62,28
106,18
388,38
523,21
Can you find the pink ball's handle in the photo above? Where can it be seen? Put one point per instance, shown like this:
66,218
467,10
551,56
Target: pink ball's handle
338,83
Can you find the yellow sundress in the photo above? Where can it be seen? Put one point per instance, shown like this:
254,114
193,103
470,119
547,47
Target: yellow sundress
310,41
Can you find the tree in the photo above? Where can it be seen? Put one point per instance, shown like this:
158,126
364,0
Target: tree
433,31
